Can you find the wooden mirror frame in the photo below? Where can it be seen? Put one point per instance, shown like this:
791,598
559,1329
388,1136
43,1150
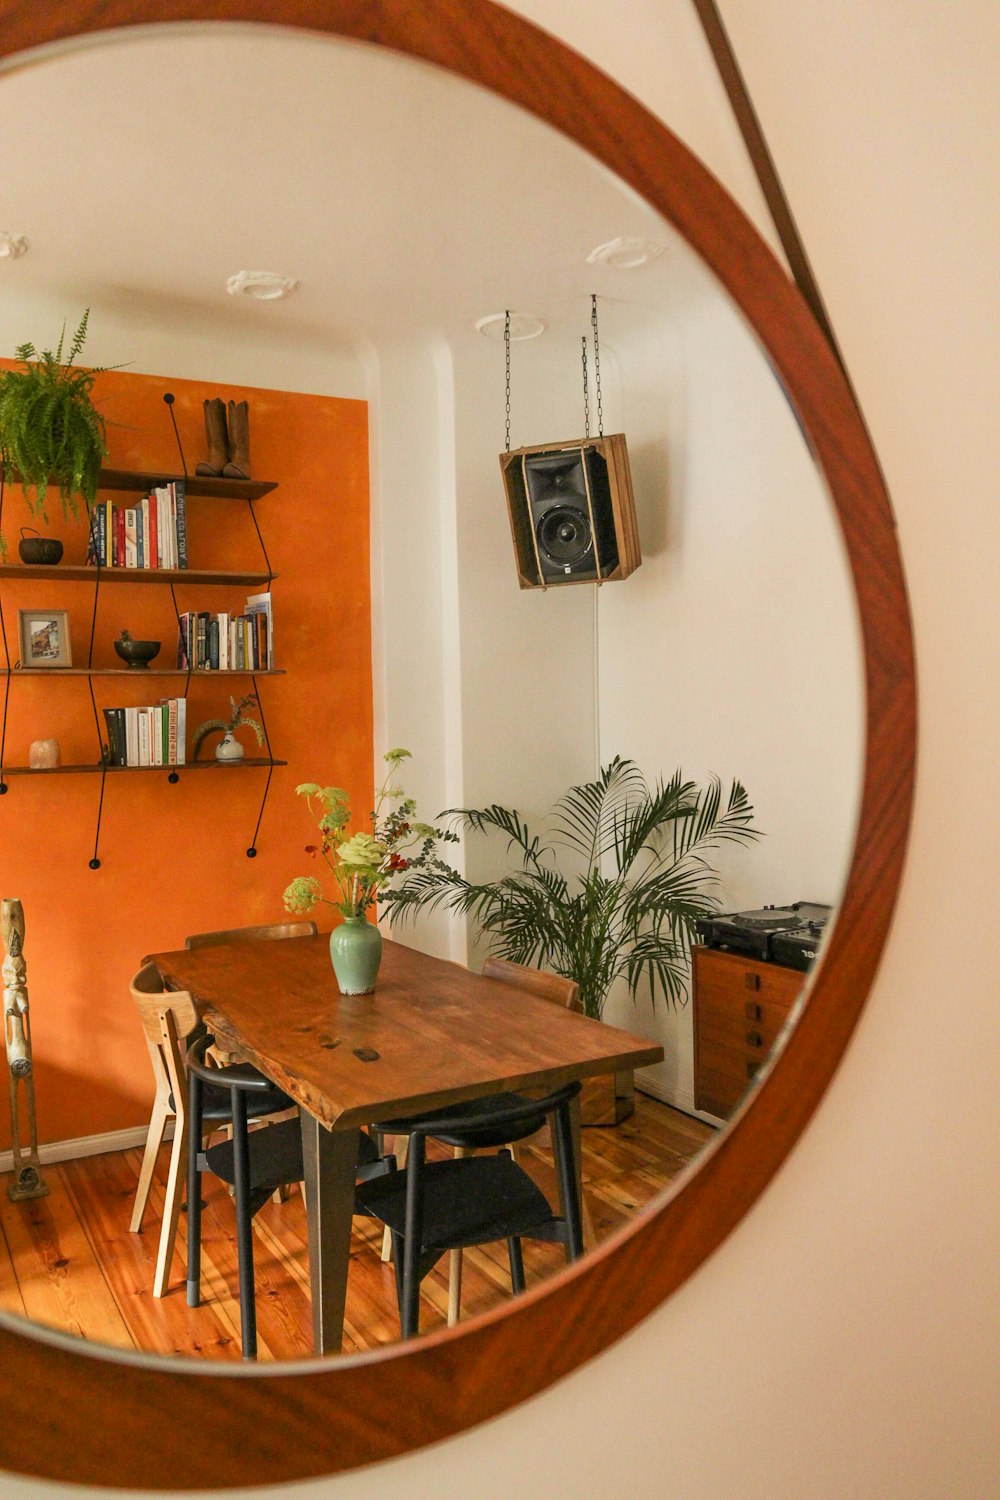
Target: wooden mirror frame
87,1416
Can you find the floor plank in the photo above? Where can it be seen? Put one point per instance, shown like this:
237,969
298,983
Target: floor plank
11,1300
70,1261
61,1281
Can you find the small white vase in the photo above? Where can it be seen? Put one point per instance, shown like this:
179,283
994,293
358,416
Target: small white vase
228,748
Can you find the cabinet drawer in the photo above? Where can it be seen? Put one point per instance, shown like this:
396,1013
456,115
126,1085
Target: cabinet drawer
727,980
740,1007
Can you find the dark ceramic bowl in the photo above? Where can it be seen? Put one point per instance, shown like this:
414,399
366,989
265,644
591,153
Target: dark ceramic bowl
137,654
40,549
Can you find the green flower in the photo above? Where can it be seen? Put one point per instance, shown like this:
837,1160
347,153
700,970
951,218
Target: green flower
303,893
362,852
395,756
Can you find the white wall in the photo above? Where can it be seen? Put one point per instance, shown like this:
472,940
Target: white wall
733,651
843,1340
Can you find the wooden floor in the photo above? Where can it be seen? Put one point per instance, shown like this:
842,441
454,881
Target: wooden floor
69,1261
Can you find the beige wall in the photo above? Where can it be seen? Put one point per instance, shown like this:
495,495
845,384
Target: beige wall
843,1341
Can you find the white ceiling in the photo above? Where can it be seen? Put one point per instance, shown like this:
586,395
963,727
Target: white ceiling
147,169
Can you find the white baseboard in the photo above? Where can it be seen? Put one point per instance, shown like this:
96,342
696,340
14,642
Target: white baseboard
86,1145
677,1098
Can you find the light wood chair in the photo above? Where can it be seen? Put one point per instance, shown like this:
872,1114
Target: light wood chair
169,1018
551,987
269,932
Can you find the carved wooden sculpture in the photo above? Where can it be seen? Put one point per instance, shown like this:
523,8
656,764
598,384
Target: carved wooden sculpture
28,1181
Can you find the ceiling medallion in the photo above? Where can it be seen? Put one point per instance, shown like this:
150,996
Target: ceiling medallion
625,253
522,326
263,286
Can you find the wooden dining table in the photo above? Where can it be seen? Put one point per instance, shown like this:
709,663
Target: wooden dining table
433,1033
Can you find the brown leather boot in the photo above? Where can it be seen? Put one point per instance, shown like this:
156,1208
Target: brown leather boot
238,466
218,442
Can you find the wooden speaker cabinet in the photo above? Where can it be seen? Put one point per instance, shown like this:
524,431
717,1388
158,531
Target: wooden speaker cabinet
572,513
740,1005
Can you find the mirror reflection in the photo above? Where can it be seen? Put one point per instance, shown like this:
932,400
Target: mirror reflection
407,208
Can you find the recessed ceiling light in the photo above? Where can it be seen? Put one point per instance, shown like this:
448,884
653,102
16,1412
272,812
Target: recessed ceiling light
522,326
263,286
625,253
12,246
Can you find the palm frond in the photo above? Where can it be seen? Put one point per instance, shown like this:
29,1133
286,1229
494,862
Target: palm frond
585,818
504,820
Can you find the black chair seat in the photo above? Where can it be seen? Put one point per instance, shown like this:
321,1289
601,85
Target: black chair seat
218,1103
464,1202
436,1206
482,1136
275,1157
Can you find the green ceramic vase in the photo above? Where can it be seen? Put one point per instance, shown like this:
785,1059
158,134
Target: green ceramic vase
356,952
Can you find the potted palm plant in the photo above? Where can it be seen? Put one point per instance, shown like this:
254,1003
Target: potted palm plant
51,434
611,887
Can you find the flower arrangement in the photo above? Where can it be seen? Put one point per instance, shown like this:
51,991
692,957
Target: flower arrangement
238,715
362,864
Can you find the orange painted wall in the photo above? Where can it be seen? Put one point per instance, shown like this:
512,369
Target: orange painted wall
173,857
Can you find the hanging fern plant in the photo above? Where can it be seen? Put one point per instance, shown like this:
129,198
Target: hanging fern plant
51,434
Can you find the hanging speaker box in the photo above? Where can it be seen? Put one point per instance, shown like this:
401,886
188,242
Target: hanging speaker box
572,515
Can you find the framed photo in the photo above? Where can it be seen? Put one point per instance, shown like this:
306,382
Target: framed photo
44,638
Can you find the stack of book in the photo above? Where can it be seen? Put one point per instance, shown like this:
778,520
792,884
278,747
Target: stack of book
228,643
150,534
147,736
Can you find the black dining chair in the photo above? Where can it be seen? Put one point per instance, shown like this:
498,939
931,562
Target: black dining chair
253,1162
432,1207
461,1137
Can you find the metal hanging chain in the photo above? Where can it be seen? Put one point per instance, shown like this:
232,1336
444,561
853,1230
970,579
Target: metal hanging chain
586,391
597,364
506,346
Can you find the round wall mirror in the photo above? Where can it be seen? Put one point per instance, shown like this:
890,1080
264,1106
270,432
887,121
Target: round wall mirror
693,340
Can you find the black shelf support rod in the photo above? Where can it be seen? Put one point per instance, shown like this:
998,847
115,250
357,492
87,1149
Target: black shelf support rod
252,849
95,863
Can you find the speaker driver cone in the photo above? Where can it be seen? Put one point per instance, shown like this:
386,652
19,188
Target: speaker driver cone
564,536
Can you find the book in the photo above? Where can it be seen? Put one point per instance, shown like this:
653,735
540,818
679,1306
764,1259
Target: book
181,756
171,756
180,506
213,644
116,746
130,537
132,736
152,508
259,605
120,546
142,735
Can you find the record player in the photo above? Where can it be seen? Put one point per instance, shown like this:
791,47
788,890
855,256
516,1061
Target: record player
787,935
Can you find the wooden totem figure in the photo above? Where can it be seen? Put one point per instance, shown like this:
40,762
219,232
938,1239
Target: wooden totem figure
28,1181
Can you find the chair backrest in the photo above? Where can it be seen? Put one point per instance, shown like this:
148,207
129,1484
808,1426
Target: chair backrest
275,930
554,987
168,1018
512,1114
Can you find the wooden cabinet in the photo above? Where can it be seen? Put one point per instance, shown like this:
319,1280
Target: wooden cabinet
740,1005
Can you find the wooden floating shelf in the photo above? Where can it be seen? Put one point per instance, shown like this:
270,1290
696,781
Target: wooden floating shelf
137,675
246,764
194,484
74,574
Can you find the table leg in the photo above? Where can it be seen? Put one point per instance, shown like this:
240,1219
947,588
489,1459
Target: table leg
330,1158
576,1135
